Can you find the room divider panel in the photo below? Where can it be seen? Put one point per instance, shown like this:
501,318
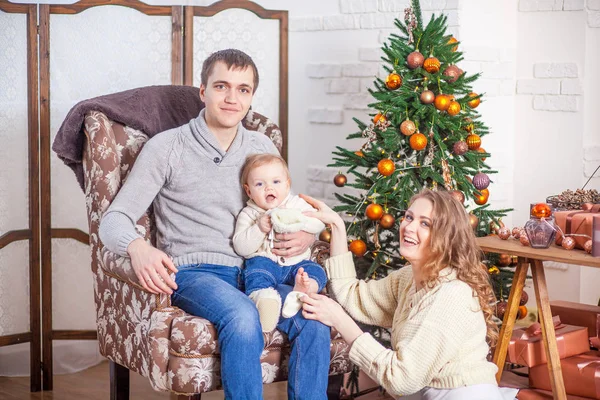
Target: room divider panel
87,49
19,182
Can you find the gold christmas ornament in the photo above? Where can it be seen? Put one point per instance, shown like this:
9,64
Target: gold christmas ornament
473,141
493,270
432,65
427,97
453,108
504,260
588,246
393,81
407,127
458,195
340,180
482,150
453,40
504,233
523,238
386,167
374,211
415,60
358,247
442,102
379,117
483,198
325,236
473,220
568,243
475,102
387,221
418,141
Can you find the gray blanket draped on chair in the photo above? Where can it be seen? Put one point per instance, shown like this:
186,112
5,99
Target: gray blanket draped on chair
150,109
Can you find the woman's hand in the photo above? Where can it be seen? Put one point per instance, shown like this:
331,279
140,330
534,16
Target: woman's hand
338,242
327,311
324,213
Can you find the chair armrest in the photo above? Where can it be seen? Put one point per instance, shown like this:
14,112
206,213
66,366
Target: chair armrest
120,268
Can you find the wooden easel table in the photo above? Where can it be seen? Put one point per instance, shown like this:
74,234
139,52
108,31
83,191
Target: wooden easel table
534,257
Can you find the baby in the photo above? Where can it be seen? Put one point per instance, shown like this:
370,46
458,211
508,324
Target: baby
272,209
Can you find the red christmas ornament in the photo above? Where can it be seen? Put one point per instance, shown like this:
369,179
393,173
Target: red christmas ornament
458,195
460,148
340,180
387,221
415,60
503,233
453,72
568,243
427,97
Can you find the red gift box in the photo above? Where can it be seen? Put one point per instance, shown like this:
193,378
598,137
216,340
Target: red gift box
578,222
527,348
581,375
581,315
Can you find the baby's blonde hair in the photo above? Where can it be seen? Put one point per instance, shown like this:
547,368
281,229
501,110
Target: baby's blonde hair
258,160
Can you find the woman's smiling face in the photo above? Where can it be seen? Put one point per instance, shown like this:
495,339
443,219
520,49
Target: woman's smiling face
415,232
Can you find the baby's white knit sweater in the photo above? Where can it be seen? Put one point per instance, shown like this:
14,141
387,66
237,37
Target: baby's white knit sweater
437,335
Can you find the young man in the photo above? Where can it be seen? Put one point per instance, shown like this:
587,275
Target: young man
191,176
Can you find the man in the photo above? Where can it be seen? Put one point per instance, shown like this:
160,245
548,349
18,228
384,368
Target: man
191,176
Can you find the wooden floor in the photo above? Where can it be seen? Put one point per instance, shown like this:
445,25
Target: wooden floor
93,384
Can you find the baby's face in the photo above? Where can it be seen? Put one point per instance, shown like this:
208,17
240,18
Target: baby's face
268,185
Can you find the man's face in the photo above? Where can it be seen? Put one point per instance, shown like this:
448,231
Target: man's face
227,96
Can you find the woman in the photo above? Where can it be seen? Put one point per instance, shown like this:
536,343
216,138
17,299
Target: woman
438,308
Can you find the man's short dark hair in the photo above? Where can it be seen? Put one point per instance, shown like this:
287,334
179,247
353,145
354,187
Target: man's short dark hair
233,58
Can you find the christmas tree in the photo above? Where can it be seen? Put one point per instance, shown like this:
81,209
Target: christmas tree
425,132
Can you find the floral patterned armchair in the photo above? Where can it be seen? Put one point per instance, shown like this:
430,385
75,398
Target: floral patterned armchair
143,332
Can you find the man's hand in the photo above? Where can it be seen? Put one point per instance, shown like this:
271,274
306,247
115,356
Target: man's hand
149,266
292,244
264,223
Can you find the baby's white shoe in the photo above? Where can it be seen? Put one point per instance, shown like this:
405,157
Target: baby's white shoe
268,303
292,304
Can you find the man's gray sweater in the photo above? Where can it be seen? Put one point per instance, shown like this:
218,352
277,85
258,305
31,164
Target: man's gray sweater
195,188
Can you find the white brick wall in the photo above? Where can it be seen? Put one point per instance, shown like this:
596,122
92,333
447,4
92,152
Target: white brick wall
573,5
323,70
358,6
555,70
325,115
358,101
340,22
301,24
592,153
370,54
360,70
556,103
377,21
540,5
571,86
593,5
343,85
539,86
594,19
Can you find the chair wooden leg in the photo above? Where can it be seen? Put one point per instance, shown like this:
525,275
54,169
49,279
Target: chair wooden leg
334,387
119,382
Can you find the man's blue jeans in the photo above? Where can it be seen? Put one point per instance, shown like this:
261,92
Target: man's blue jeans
214,292
262,272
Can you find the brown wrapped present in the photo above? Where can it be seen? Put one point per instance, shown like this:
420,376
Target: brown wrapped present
581,375
577,222
526,346
538,394
581,315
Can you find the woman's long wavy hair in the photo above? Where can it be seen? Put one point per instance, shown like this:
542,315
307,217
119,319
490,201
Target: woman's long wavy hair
452,244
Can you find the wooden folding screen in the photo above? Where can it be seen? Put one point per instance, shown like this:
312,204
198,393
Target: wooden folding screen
41,231
32,232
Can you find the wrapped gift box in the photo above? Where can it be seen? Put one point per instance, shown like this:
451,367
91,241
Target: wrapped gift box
577,222
538,394
580,315
526,346
581,375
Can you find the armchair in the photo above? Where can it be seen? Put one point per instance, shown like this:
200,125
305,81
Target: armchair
143,332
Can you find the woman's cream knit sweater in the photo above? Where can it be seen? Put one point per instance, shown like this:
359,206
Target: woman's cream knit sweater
437,335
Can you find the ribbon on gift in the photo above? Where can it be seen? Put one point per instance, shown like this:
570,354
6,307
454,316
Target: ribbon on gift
593,363
522,343
585,208
536,329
